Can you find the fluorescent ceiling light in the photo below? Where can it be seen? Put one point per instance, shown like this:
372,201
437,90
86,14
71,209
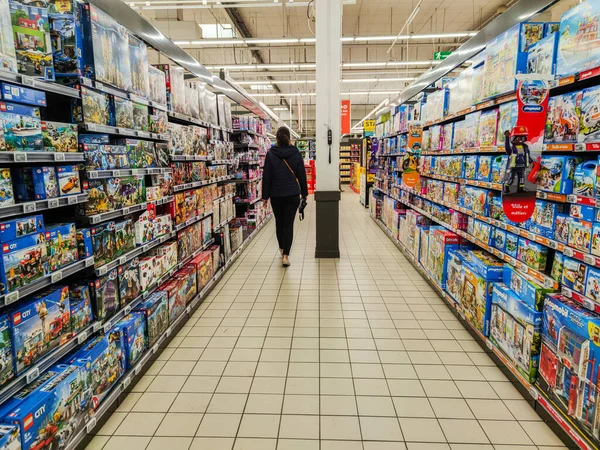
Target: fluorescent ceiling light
263,66
376,80
259,87
376,38
280,108
273,41
365,64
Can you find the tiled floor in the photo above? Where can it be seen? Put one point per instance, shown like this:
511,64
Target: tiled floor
351,354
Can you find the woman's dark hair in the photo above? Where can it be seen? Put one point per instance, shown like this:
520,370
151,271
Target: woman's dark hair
283,137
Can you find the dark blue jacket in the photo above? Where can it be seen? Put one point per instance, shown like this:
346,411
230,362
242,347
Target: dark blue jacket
278,179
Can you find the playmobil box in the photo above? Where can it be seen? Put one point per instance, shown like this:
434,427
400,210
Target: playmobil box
61,246
482,231
40,325
105,295
529,291
556,173
499,238
470,167
575,53
583,212
156,313
486,265
23,226
20,94
7,368
133,327
441,241
562,119
454,281
103,358
507,119
45,182
551,27
81,307
580,235
574,275
488,128
544,216
59,137
569,360
23,261
589,120
532,254
84,243
10,437
475,298
592,285
561,228
541,59
129,281
558,265
531,33
515,329
484,168
21,127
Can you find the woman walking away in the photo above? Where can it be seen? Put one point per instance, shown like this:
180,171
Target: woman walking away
284,181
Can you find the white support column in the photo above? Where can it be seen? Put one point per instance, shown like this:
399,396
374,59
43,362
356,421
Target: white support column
328,15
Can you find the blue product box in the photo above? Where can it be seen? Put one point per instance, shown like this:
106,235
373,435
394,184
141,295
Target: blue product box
39,326
156,311
470,167
561,228
61,246
589,126
45,183
93,138
10,437
68,180
583,212
84,243
64,46
595,244
105,157
531,32
476,299
496,210
584,179
533,254
23,226
558,265
512,244
23,184
7,369
556,173
580,235
22,128
529,291
574,274
484,168
592,284
22,261
133,327
541,58
486,265
19,94
515,329
562,119
499,239
103,358
551,27
441,242
483,232
544,214
81,307
454,283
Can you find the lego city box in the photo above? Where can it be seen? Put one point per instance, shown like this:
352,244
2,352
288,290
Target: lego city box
20,94
570,361
81,307
7,362
61,246
45,182
515,329
21,127
39,326
69,182
23,261
23,226
133,327
105,295
156,312
59,136
129,281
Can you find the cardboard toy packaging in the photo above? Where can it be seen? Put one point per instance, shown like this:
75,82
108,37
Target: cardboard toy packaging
574,275
580,234
146,273
23,226
45,182
23,261
556,173
105,295
589,125
488,128
20,94
133,327
81,307
529,291
441,242
204,268
7,368
96,107
124,237
61,246
504,58
10,436
515,329
557,267
454,283
592,285
103,241
176,298
84,243
40,325
59,137
562,119
21,128
129,281
507,119
8,57
123,112
541,59
533,254
156,312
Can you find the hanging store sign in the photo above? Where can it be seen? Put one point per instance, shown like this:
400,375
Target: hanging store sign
345,113
440,56
368,127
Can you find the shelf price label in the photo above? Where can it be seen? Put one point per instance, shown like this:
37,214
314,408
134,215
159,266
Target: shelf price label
82,337
56,276
32,375
29,207
90,425
59,157
52,203
20,157
11,297
107,326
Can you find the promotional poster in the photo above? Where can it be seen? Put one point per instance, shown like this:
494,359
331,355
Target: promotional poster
410,174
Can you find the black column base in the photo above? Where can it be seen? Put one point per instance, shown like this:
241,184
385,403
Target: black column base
328,224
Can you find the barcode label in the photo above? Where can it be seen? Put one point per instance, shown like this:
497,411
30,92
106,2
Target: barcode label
20,157
59,157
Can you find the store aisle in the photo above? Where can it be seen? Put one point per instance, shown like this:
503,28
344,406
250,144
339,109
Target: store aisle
351,354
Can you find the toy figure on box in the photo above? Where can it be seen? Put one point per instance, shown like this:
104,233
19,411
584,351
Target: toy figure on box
519,158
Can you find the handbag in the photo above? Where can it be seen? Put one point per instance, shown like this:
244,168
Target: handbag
303,200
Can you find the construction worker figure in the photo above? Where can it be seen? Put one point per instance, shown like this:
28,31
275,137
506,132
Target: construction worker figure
519,157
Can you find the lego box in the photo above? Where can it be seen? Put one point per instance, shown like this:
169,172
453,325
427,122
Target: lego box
156,311
23,226
59,137
45,182
105,295
81,307
23,261
20,94
7,362
68,180
22,128
129,281
133,327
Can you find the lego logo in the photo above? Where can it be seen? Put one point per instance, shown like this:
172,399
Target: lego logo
3,107
17,319
2,227
28,422
47,235
5,248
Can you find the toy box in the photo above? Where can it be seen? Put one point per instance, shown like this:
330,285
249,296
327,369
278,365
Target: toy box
64,45
146,272
515,329
103,241
175,297
59,137
484,168
486,264
541,58
96,107
132,190
40,325
592,285
93,138
124,237
475,298
140,117
574,275
580,235
129,281
470,167
157,86
105,157
454,283
21,127
23,261
6,189
188,282
558,264
105,295
31,37
61,246
441,242
133,327
529,291
7,366
123,112
157,121
156,311
507,119
562,119
569,360
556,173
544,217
10,436
583,212
512,244
20,94
472,124
447,136
503,60
589,123
81,307
140,153
68,180
575,53
23,226
531,33
8,57
488,127
45,182
551,27
561,228
498,169
532,254
499,238
138,58
204,268
144,227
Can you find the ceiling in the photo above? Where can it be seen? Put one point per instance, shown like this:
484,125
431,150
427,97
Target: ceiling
276,19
